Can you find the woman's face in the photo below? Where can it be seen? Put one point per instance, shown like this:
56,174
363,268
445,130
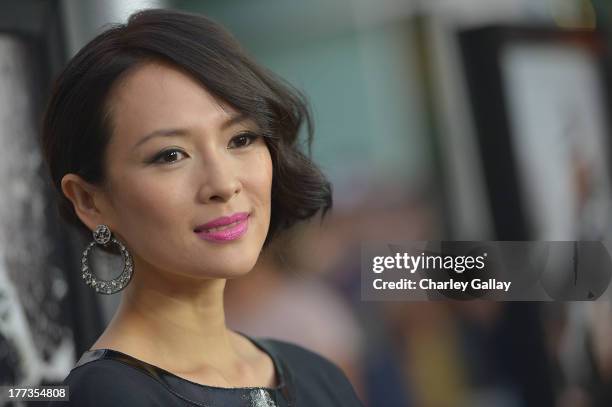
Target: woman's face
200,166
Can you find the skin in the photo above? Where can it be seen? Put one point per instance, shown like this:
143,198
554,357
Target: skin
172,312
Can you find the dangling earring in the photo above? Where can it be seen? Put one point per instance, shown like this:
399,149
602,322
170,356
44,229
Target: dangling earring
102,235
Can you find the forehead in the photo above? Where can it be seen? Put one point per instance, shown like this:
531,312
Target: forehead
155,95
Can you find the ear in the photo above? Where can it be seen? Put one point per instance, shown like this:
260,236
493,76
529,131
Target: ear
88,200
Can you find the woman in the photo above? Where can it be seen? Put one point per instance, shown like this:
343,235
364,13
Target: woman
170,144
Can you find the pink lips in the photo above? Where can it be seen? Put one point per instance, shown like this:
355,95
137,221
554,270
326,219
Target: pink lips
241,225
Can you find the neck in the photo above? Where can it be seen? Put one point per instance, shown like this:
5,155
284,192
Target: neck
173,321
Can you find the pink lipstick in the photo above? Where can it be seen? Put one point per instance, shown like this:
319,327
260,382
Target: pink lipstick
225,228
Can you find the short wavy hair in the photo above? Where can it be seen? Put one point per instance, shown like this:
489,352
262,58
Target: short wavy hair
77,123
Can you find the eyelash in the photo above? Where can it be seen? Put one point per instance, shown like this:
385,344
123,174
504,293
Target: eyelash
251,137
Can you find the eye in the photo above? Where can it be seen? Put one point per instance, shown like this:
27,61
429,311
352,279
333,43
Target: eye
244,139
167,156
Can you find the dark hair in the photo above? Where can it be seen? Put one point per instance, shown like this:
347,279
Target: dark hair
77,124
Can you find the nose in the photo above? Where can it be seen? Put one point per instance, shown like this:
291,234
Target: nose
220,181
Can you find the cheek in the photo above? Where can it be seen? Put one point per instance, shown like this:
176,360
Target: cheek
149,201
260,176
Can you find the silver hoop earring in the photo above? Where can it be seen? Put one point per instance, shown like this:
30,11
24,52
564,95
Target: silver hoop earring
102,235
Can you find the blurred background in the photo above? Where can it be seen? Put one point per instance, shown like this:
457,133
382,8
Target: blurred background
434,119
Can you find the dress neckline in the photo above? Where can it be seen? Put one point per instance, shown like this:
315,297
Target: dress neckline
280,369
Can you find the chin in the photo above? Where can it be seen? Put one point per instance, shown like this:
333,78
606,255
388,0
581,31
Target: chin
232,268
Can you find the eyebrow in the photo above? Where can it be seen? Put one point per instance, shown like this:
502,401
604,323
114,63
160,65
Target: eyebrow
181,132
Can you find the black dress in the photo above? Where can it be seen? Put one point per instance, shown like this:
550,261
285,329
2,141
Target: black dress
105,377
